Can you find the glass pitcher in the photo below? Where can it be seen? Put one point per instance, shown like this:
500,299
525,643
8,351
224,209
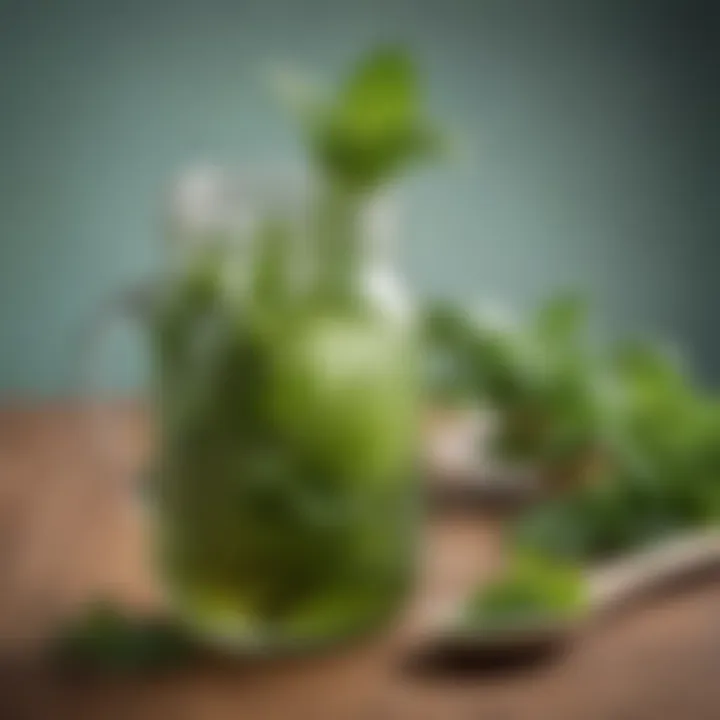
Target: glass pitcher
284,388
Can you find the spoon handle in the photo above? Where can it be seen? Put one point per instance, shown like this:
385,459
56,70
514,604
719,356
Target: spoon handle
663,567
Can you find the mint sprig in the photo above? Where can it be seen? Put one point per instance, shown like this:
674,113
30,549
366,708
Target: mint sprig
372,127
534,588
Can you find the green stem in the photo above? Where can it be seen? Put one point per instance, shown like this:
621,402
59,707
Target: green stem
340,240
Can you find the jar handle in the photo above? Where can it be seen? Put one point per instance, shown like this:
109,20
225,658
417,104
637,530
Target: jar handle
133,303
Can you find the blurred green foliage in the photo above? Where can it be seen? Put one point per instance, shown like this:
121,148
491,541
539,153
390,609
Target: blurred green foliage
634,408
663,470
640,439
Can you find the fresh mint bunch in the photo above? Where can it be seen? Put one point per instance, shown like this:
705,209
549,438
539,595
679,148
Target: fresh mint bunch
662,472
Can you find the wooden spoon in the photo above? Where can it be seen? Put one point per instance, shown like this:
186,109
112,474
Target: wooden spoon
664,568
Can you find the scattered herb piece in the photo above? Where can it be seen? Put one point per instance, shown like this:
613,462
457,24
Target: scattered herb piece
106,638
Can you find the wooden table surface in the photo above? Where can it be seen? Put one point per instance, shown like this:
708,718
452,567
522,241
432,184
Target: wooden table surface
69,532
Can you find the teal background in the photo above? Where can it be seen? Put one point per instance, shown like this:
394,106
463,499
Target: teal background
591,160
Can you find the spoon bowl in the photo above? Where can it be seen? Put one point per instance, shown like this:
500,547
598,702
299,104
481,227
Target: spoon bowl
648,573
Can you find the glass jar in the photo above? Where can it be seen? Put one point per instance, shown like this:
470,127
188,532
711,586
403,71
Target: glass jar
283,496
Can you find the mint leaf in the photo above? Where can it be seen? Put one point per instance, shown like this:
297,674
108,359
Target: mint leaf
382,94
534,588
375,125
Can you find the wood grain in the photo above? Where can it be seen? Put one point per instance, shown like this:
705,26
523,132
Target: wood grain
69,531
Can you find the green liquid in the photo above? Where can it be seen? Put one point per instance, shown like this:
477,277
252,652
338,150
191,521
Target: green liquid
284,499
